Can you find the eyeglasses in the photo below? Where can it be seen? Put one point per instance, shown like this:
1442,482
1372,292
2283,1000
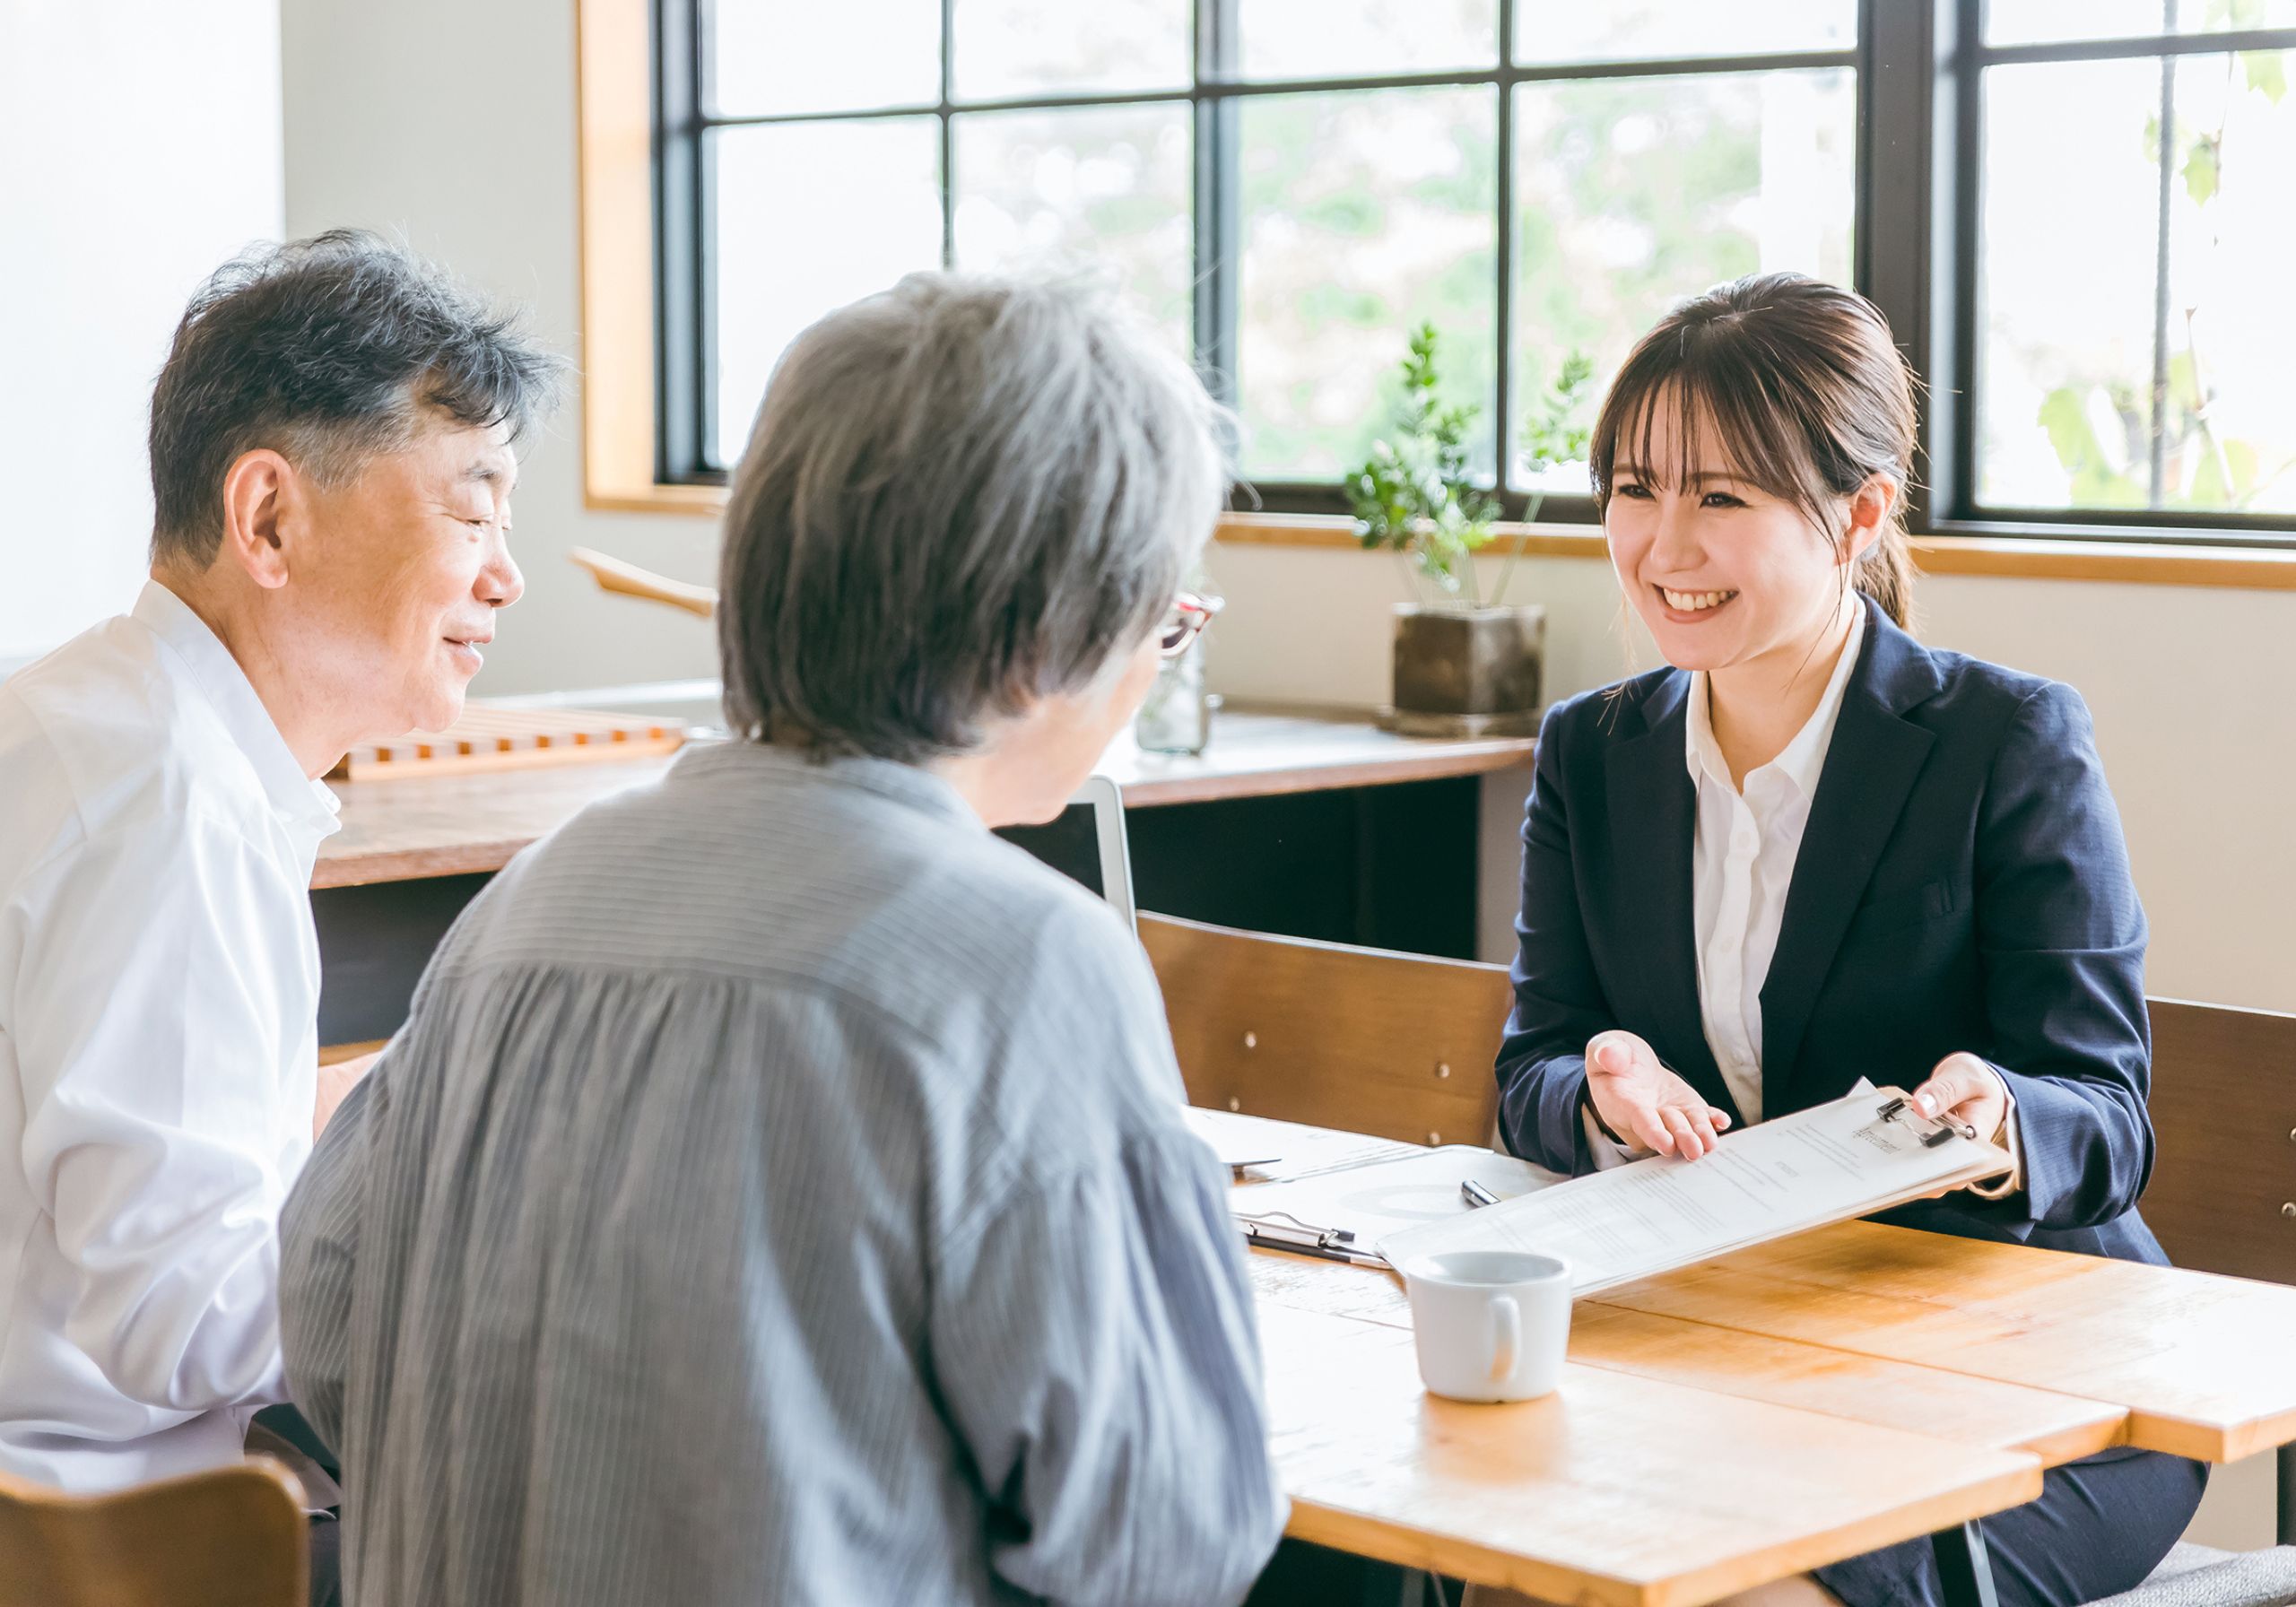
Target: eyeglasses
1190,614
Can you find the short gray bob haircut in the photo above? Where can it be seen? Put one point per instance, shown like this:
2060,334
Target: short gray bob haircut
961,495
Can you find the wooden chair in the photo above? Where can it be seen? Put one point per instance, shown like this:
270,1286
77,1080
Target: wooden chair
2223,1197
234,1537
1361,1039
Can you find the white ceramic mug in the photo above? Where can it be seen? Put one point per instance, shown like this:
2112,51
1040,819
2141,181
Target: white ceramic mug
1489,1325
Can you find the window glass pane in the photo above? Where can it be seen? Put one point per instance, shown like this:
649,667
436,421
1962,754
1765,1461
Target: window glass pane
1327,39
1667,30
2049,22
765,56
782,262
1634,193
1009,49
1101,188
2066,367
1364,212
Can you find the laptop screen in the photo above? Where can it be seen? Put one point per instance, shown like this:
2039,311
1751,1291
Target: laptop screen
1069,843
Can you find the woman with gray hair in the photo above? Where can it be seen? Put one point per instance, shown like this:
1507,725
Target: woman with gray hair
780,1193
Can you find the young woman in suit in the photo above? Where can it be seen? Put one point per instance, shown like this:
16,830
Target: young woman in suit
1810,850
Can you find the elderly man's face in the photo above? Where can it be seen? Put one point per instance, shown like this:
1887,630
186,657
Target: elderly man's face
411,561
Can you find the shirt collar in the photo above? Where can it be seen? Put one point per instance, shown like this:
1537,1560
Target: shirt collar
907,784
1802,759
225,686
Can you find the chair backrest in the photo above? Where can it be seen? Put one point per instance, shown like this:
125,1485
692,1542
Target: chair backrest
1396,1045
2223,1196
233,1537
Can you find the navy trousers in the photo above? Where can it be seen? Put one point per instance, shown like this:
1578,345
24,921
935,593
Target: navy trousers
2099,1527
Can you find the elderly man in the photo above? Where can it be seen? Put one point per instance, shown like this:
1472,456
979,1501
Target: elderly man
331,455
780,1193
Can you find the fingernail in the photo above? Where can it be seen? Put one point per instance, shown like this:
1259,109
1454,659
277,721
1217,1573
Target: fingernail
1925,1104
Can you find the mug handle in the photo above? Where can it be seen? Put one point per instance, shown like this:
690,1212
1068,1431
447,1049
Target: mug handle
1506,1337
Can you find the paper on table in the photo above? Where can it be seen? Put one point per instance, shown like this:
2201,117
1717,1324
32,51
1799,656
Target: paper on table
1372,1201
1285,1149
1785,1176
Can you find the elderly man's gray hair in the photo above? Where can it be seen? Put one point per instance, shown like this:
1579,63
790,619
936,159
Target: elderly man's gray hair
961,495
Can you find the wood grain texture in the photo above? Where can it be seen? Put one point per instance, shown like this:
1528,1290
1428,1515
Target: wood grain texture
1616,1489
2132,561
1396,1045
2203,1363
2054,1427
620,576
2224,1113
233,1537
490,737
448,827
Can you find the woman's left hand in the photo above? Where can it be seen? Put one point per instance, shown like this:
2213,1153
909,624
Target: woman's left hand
1964,1089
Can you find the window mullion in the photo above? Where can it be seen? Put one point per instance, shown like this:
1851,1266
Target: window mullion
948,134
1217,201
1503,384
2157,443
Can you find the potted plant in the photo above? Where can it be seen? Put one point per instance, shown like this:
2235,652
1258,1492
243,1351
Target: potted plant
1465,664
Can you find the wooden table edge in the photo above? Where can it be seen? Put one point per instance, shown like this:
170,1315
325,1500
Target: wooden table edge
1455,1557
417,864
1154,791
2212,1442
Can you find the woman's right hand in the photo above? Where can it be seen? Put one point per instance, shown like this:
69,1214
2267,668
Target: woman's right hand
1640,1099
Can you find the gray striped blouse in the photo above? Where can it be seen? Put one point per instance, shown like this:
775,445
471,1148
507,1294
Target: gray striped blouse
779,1194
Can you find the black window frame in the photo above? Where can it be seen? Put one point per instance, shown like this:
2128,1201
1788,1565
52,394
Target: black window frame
1919,68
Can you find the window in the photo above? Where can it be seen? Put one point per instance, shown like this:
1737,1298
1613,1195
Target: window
2065,207
2131,318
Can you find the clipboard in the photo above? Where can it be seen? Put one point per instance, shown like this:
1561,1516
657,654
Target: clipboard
1850,1158
1341,1214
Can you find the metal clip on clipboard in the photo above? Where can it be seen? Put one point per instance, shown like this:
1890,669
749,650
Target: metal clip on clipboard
1938,1129
1281,1230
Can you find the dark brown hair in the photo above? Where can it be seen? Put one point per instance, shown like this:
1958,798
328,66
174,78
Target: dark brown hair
1806,390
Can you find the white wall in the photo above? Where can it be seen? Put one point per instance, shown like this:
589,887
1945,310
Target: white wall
139,148
452,126
2189,686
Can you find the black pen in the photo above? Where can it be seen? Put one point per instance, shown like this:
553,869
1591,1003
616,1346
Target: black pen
1475,1195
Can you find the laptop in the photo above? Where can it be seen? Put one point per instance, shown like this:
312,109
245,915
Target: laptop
1084,842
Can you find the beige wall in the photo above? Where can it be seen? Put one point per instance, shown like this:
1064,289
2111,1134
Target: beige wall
451,125
139,147
2189,686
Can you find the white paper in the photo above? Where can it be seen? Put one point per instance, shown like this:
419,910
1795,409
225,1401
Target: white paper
1776,1178
1384,1197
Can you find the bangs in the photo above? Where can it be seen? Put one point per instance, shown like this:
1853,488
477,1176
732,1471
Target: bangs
1728,415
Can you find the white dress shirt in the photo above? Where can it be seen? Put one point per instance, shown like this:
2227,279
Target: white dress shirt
159,991
1743,853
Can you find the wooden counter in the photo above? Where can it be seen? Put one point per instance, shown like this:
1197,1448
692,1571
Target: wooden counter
400,830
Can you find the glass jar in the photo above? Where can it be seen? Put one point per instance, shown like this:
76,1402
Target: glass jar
1176,717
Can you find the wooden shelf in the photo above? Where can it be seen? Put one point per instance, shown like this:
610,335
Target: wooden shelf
406,830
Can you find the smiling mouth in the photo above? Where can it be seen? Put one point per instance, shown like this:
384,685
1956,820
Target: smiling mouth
1694,602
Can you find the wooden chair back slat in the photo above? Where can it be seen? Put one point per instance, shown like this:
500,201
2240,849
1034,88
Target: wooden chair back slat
2224,1111
1362,1039
233,1537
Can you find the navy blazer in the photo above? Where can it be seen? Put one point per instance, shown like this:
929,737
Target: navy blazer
1962,885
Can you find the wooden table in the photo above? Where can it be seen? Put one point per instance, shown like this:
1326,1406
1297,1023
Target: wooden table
1787,1406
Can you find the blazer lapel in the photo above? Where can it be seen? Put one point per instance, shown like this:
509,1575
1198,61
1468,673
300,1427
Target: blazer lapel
1871,766
1652,808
